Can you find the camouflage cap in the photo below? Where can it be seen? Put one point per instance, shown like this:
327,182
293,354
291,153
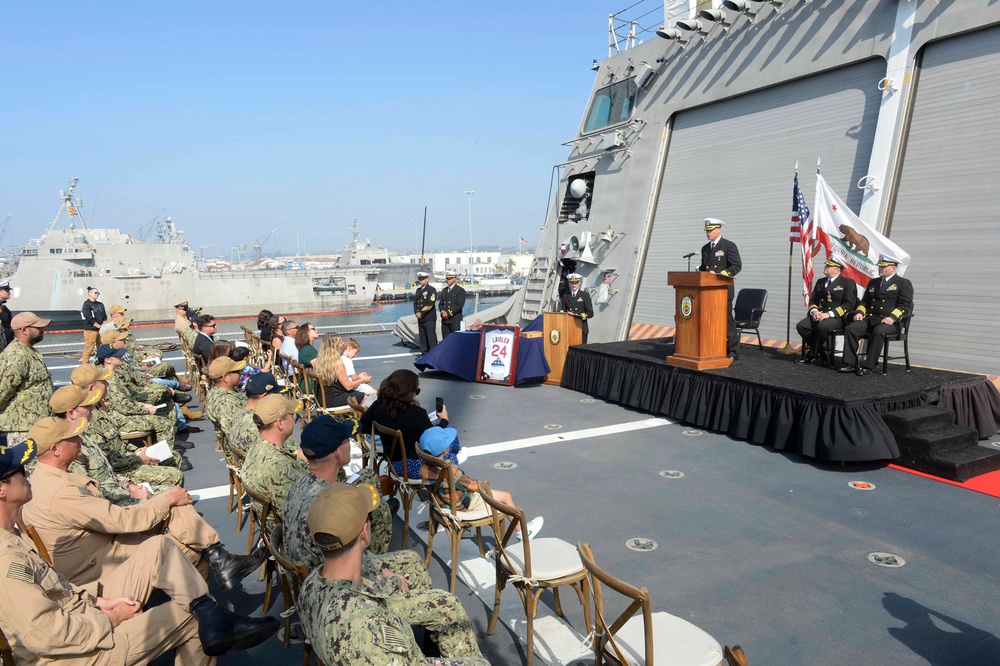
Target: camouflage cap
273,407
13,458
26,319
51,430
112,336
115,309
339,513
71,397
88,374
224,365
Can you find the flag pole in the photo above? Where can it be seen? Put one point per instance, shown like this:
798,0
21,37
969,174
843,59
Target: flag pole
788,348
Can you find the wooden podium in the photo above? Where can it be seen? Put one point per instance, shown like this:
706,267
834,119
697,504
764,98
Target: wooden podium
701,320
562,331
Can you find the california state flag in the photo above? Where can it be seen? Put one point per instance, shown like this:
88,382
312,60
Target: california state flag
849,240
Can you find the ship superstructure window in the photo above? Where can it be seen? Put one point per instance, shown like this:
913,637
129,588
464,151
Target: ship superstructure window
612,104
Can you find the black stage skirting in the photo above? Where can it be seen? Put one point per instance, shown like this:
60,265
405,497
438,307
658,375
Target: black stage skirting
765,397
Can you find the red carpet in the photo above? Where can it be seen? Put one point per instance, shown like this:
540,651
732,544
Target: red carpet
988,484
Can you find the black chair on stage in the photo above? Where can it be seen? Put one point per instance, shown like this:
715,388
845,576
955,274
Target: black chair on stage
902,334
749,309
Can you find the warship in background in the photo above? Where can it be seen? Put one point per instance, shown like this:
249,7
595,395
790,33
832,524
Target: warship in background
709,117
147,277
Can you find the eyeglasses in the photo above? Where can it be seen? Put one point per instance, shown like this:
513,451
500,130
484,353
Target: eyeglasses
418,391
212,325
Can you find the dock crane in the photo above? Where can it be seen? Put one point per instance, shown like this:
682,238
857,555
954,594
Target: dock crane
258,246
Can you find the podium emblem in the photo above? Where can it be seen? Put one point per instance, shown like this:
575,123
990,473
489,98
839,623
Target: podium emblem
554,336
687,307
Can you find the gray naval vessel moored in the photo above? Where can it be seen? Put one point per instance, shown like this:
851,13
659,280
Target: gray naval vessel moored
709,119
149,276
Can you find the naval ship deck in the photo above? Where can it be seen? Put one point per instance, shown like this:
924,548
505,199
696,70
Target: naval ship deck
757,547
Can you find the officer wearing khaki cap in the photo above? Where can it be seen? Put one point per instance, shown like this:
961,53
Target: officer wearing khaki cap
25,383
340,609
46,619
88,537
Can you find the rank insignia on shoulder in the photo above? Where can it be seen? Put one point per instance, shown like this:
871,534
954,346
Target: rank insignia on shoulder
20,571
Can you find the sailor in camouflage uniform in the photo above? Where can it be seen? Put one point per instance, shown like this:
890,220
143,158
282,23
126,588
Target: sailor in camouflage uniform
224,401
348,618
269,468
102,433
326,447
424,304
126,412
886,300
242,431
144,386
25,382
71,403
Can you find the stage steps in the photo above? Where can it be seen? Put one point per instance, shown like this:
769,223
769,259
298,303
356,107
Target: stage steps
931,442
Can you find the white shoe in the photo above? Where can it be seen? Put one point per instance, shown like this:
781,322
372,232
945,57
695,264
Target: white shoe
534,527
462,456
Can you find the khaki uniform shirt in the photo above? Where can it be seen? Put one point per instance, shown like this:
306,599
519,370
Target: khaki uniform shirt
81,529
42,615
25,388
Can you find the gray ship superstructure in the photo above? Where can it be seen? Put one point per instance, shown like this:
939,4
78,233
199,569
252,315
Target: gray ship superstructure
896,100
392,274
149,277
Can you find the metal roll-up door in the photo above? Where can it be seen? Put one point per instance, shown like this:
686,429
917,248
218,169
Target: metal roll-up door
947,211
734,160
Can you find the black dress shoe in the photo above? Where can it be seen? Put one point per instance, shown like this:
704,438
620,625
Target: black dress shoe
221,630
181,445
186,465
229,569
190,429
182,398
803,360
846,368
864,372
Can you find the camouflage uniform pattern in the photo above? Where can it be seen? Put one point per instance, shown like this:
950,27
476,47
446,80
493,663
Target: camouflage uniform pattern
271,471
243,432
103,432
25,388
298,542
189,336
127,414
137,356
353,623
142,389
93,463
221,405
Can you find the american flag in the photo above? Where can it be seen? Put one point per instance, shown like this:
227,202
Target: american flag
802,232
523,240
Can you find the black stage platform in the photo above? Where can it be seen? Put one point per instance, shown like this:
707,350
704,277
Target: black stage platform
766,398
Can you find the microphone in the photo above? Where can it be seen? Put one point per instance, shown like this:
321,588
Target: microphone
688,257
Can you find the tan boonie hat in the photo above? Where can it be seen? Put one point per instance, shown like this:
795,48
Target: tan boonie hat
115,309
112,336
71,397
25,319
51,430
88,374
272,407
224,365
339,513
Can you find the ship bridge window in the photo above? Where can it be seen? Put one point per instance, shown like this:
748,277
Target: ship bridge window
55,250
612,104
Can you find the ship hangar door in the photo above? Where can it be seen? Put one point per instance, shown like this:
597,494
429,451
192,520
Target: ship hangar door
734,160
948,203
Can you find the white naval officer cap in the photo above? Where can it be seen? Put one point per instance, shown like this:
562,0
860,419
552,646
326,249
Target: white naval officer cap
574,277
421,275
712,223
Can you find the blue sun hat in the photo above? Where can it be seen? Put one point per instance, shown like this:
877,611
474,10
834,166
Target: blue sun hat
436,439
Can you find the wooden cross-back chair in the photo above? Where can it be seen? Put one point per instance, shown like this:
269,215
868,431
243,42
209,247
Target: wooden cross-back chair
291,575
454,520
235,459
531,566
318,391
633,638
408,488
261,510
232,466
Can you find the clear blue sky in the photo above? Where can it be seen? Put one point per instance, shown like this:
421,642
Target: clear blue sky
235,118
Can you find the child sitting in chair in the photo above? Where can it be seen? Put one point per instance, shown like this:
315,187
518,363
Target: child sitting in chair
437,441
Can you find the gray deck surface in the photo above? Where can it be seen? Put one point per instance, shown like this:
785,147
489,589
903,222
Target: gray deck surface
757,548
